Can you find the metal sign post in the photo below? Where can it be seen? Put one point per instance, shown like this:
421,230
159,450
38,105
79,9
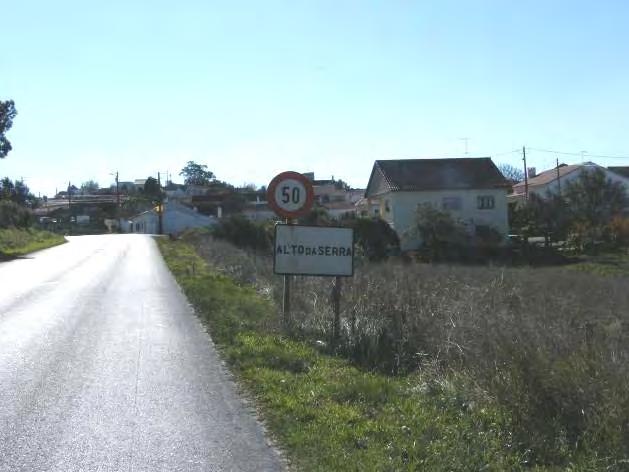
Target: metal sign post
286,294
291,195
308,250
336,308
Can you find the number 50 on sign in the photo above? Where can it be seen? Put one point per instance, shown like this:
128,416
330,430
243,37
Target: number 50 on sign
290,194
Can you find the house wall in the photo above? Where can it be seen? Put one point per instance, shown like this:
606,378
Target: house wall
260,215
145,223
329,193
176,220
553,187
369,208
399,210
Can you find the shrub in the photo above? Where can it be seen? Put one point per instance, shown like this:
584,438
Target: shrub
13,215
244,233
374,237
441,235
618,230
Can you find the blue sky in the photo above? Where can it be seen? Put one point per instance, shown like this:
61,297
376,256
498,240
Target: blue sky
255,88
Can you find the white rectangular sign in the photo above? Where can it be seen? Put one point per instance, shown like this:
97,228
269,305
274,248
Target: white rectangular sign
313,250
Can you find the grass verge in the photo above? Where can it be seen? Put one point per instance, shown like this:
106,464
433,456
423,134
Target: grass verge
329,415
18,242
613,264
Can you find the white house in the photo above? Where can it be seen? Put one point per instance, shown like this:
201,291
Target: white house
366,207
259,211
176,218
553,180
472,190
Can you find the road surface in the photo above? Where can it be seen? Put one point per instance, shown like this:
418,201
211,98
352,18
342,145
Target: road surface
104,367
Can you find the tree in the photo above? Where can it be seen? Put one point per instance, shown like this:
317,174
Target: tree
196,174
7,113
17,192
594,199
152,189
341,185
89,187
511,173
7,189
547,217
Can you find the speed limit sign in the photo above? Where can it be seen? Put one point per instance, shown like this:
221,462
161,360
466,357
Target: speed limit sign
290,194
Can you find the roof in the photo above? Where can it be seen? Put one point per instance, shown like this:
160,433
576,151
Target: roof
550,175
546,177
624,170
437,174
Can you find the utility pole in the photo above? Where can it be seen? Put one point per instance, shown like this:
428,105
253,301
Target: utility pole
526,175
160,206
70,206
117,191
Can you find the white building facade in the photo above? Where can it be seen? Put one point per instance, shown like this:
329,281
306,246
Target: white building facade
472,190
176,218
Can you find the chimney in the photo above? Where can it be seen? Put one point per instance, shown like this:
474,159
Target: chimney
531,172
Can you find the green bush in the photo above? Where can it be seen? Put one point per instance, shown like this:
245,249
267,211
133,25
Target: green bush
442,237
13,215
374,238
244,233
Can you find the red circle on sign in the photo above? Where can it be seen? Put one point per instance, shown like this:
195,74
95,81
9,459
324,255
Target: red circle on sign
277,206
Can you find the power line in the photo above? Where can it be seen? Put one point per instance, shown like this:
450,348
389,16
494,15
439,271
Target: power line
506,152
580,153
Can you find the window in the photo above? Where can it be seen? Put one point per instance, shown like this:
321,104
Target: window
387,208
451,203
485,202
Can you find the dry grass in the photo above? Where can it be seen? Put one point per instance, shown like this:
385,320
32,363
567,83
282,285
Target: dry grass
550,345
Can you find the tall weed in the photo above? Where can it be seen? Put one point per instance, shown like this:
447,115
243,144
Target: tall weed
549,344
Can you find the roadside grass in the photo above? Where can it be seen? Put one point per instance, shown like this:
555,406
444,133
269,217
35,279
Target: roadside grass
614,264
330,415
18,242
547,347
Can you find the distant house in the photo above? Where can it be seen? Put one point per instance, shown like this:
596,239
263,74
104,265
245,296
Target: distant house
125,187
175,191
553,180
368,208
139,184
176,218
471,189
259,211
334,195
340,209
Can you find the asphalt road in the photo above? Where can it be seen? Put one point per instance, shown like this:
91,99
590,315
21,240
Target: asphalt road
104,367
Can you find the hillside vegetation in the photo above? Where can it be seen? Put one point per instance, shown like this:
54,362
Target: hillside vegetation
18,242
437,368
